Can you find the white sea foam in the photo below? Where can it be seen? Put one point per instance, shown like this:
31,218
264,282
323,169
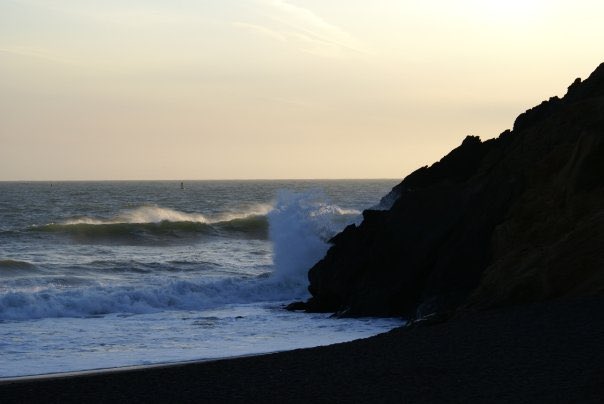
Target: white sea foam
170,295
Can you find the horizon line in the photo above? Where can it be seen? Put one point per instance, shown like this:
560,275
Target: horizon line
207,179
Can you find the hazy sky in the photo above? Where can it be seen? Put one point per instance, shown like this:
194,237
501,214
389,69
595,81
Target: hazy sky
199,89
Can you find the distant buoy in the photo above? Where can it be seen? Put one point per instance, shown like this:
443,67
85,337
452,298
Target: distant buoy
182,185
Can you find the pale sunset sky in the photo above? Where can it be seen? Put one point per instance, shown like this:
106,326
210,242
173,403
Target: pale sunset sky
228,89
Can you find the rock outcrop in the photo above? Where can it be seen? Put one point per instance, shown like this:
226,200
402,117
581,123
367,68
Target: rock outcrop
509,220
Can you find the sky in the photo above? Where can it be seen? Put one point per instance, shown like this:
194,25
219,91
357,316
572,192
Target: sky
267,89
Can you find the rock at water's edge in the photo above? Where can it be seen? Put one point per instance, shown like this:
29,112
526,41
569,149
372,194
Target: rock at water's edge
510,220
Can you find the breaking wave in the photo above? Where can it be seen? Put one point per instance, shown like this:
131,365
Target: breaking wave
172,295
154,223
299,226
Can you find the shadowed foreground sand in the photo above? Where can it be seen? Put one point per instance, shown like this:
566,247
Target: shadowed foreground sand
548,352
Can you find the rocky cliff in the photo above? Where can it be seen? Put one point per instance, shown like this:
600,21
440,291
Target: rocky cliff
509,220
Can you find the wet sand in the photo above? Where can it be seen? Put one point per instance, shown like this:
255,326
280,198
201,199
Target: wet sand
547,352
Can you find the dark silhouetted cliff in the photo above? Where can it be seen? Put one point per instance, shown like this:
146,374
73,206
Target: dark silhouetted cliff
510,220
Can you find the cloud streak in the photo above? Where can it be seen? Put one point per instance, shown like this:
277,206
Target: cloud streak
114,12
299,26
259,29
39,54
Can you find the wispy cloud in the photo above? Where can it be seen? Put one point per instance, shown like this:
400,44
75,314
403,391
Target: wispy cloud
303,28
300,28
38,54
259,29
114,12
62,61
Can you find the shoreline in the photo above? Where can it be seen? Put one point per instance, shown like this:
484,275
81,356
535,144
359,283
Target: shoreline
126,368
552,352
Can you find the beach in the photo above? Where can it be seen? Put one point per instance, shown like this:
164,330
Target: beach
545,352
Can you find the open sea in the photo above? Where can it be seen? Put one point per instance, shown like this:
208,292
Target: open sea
107,274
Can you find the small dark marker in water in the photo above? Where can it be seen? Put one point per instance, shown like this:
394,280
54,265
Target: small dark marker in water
182,185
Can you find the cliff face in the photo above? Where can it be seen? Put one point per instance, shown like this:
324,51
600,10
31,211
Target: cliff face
514,219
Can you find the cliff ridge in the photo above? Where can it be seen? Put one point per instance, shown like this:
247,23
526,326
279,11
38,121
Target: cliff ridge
515,219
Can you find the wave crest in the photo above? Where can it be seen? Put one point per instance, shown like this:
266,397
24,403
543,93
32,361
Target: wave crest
142,214
153,223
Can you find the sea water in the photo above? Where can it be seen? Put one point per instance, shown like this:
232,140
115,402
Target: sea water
107,274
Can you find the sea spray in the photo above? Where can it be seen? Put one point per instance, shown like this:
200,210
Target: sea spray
300,226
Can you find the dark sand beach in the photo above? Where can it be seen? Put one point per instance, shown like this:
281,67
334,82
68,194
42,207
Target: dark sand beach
545,352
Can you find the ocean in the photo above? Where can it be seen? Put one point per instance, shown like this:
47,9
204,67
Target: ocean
97,275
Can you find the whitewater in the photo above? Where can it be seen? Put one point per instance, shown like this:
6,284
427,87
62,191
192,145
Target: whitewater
106,274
